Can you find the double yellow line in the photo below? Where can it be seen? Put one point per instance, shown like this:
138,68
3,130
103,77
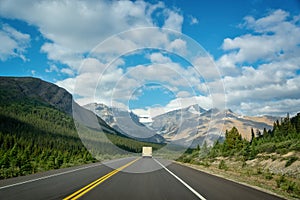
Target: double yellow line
92,185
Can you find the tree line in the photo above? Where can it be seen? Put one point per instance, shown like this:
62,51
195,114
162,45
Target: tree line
36,137
282,138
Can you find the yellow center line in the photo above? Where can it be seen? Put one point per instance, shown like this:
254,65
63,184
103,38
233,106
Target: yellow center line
95,183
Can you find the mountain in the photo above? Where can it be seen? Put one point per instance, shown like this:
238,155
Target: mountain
39,92
125,122
168,124
15,89
192,125
38,133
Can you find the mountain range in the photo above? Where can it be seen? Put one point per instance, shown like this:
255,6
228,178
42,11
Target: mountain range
125,122
209,125
188,126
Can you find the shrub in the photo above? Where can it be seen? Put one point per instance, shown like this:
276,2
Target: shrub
223,165
268,176
290,161
280,181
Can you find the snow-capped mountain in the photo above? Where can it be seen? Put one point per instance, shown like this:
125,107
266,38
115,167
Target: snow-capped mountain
125,122
190,126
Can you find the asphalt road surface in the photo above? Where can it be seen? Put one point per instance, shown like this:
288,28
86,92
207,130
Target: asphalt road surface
127,178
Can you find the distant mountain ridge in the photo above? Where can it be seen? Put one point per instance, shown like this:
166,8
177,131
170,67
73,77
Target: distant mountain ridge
177,125
188,126
125,122
185,126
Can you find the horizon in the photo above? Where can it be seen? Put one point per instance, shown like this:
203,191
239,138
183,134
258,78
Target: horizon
206,110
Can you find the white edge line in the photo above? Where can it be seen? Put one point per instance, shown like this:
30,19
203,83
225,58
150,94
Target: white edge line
180,180
58,174
45,177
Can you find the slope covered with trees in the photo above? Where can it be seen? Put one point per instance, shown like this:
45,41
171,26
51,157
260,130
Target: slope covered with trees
284,137
37,131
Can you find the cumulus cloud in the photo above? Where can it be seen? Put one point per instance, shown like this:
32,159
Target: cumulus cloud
13,43
174,20
67,71
75,27
274,108
159,58
259,69
274,35
183,94
265,65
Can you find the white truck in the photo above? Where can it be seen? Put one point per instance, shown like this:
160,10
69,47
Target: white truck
147,152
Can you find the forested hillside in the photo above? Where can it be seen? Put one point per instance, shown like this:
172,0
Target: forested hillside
37,131
284,137
37,138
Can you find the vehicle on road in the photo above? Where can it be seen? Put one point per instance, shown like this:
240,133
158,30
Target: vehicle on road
147,152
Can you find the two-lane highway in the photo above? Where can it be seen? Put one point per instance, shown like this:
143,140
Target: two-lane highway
130,178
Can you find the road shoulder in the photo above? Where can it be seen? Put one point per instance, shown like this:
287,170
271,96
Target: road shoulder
222,175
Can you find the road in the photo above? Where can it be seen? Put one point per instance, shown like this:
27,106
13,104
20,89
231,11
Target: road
127,178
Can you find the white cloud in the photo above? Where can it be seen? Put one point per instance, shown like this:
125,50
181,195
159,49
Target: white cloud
141,112
193,20
266,23
274,35
52,68
75,27
68,84
206,67
63,55
183,94
261,69
67,71
178,45
91,65
171,74
174,20
275,108
175,104
13,43
159,58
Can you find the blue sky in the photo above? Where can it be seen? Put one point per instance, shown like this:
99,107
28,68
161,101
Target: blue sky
250,63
